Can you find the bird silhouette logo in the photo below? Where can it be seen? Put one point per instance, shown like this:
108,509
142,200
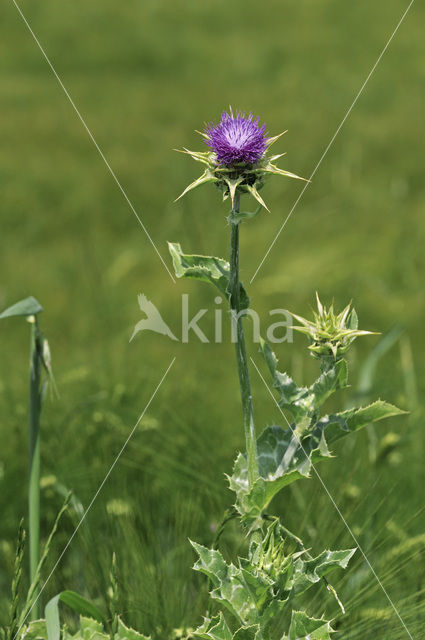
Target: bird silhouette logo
153,320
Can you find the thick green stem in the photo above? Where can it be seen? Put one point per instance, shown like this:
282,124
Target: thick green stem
34,453
241,356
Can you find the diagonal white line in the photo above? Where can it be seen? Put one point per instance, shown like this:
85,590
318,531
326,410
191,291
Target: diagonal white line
102,155
111,468
332,139
334,504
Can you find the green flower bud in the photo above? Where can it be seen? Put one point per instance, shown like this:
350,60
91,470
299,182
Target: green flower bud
330,334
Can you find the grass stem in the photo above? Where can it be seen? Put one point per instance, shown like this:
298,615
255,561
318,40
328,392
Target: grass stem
34,453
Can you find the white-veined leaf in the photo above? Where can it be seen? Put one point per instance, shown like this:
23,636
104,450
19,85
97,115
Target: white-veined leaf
283,457
305,628
77,603
206,268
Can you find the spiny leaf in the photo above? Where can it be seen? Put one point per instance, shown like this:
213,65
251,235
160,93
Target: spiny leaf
215,629
230,585
248,633
210,562
281,461
125,633
206,268
284,457
305,628
89,629
329,382
240,216
262,585
340,424
36,630
292,397
309,572
77,603
304,402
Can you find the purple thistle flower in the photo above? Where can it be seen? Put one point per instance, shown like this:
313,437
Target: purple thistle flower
237,139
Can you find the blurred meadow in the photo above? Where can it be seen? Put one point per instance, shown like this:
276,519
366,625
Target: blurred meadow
145,74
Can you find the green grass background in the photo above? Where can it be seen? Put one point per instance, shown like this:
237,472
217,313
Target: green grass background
144,75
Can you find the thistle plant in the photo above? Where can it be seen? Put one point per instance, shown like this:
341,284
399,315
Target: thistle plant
238,160
261,591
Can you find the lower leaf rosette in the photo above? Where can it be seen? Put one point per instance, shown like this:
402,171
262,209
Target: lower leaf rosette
261,587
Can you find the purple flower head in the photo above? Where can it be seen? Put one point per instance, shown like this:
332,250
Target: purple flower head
237,139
